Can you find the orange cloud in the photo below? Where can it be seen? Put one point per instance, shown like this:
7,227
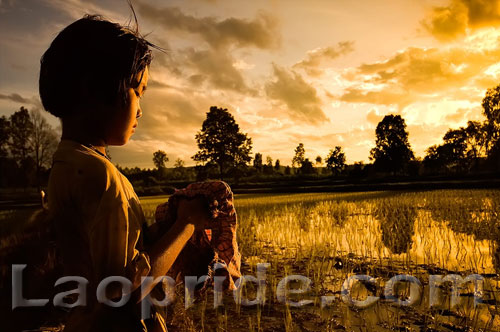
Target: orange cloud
315,57
416,74
300,97
261,32
452,21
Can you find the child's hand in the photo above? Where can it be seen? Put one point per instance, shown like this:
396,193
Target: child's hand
193,211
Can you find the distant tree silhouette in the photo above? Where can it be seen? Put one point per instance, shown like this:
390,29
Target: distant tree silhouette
392,152
221,142
21,131
277,165
335,161
257,162
4,137
179,169
476,140
491,109
307,167
20,145
299,157
268,167
160,158
319,160
43,143
461,149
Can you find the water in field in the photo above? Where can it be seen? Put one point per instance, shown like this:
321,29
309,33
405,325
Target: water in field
331,237
448,241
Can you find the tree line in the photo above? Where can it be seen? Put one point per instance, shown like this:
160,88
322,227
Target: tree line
27,143
224,151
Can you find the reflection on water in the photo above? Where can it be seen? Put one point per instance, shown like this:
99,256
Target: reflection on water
397,225
451,234
420,234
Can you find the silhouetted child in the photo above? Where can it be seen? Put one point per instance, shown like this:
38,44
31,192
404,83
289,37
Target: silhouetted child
92,77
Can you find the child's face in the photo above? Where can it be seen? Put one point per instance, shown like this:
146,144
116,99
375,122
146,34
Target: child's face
124,119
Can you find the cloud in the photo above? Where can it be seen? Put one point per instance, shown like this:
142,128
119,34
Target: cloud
315,57
417,74
261,32
452,21
382,97
216,68
300,97
15,97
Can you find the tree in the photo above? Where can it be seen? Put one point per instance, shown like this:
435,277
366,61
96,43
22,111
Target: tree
277,165
269,161
4,137
319,161
392,152
491,109
21,130
476,139
179,163
455,146
452,155
160,159
335,161
299,157
179,169
221,142
257,162
43,142
307,167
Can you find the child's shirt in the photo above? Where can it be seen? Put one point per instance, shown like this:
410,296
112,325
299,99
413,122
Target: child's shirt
97,217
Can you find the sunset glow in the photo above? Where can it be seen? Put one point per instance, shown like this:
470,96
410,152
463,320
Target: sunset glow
323,73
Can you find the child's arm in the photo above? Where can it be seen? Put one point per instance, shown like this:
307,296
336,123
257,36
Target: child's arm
191,215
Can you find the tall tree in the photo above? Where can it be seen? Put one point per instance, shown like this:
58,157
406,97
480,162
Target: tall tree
392,152
257,162
335,161
307,167
43,142
277,165
491,109
160,159
299,157
476,140
4,137
21,131
221,142
454,155
269,161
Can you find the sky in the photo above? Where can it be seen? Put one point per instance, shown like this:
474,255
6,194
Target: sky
320,72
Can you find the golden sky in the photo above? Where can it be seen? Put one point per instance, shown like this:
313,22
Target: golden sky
320,72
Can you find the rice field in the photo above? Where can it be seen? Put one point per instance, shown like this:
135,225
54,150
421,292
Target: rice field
334,239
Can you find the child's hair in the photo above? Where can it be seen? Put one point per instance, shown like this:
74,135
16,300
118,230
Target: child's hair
91,60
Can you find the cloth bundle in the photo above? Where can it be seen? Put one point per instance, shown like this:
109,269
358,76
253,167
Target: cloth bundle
214,245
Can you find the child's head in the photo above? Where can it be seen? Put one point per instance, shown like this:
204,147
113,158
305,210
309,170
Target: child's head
91,63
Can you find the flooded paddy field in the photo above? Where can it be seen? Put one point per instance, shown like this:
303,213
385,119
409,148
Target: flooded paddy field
373,261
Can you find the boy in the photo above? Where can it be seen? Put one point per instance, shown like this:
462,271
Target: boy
92,77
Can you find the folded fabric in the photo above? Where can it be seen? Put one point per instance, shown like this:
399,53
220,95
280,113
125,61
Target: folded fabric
214,245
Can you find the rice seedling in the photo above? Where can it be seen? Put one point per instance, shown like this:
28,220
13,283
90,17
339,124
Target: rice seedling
329,237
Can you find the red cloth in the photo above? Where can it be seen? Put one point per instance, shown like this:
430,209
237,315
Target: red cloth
215,245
